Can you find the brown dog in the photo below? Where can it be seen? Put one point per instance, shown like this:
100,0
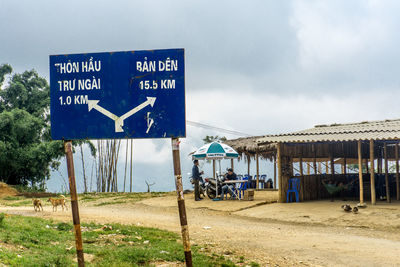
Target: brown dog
58,202
37,204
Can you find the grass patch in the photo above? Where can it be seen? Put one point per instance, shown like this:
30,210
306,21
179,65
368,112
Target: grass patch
31,241
12,198
118,198
110,203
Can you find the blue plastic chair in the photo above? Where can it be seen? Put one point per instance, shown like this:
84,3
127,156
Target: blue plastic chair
242,187
263,179
294,187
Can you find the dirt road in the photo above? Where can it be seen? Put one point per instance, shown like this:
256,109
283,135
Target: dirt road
268,241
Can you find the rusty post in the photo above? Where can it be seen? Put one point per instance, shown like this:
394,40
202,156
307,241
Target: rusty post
181,201
74,203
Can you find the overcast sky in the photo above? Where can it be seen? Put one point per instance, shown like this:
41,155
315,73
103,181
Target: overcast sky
258,67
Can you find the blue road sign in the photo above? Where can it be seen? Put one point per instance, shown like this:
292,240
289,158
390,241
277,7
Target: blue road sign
131,94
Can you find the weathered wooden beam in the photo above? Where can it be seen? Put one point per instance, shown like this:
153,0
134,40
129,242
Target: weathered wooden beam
258,171
232,165
275,172
360,173
248,165
386,173
396,152
279,159
372,171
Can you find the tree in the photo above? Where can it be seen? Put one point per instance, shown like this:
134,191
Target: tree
27,152
149,185
210,139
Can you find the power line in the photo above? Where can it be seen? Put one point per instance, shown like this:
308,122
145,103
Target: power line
206,126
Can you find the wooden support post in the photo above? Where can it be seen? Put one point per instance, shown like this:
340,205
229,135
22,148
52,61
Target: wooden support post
74,203
301,166
279,158
386,173
258,171
326,168
372,171
181,201
344,166
319,167
308,168
360,173
332,161
232,165
396,153
275,172
248,165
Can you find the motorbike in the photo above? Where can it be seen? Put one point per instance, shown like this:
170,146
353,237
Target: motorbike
210,187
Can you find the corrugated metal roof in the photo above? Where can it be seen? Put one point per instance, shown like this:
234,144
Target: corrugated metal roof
377,130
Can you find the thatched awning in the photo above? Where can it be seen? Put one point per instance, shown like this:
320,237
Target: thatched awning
249,146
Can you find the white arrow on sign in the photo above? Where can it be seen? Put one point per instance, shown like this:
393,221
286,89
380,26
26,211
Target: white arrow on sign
119,121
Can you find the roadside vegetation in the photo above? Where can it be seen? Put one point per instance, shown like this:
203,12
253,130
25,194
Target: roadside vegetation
90,199
30,241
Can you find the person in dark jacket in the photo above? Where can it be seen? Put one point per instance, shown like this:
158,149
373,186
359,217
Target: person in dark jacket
196,175
229,188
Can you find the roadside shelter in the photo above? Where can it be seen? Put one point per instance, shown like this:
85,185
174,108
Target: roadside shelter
374,145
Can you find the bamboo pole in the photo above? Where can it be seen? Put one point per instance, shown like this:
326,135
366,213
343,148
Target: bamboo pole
248,165
126,161
386,174
308,168
319,167
258,171
279,158
360,173
372,174
275,172
326,168
396,151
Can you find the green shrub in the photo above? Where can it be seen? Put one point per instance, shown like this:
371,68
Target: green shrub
62,226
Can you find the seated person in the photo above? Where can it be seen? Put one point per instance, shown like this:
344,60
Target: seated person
229,188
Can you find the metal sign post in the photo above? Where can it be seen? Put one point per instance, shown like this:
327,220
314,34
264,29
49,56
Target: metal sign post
181,201
74,203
